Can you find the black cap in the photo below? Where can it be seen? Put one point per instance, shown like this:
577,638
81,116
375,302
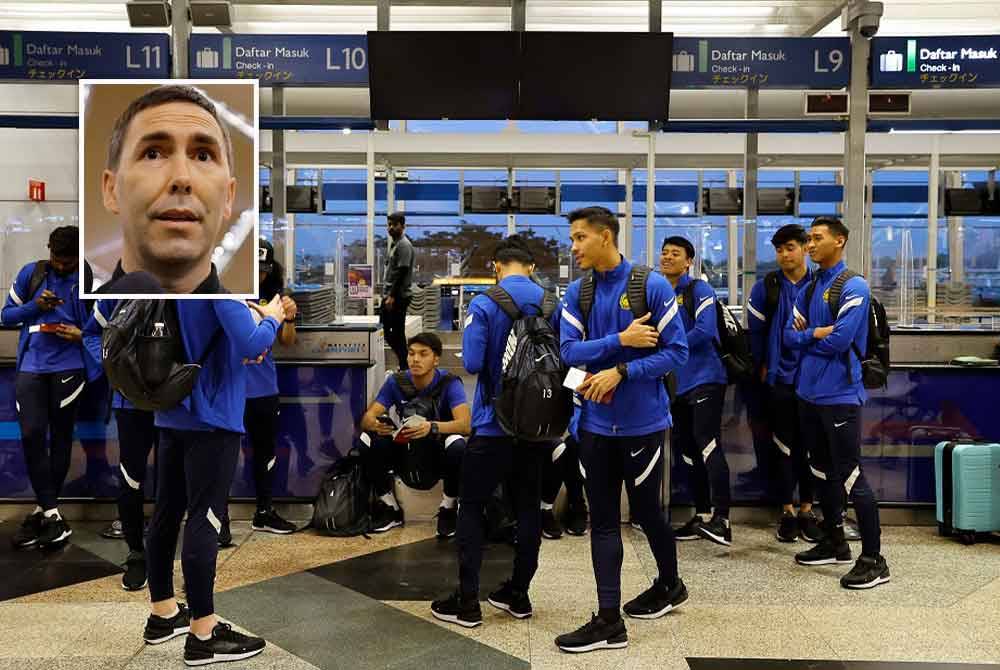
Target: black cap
265,255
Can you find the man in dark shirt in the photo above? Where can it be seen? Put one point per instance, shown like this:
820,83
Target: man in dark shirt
396,293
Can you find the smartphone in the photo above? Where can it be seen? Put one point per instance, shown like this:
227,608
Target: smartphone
384,418
49,327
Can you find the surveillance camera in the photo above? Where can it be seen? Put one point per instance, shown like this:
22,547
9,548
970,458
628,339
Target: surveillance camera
868,25
865,15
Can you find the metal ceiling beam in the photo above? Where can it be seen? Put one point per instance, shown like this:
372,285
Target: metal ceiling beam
655,16
518,14
369,3
825,20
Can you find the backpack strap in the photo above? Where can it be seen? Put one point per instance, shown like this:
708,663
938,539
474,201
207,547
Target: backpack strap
836,289
405,384
810,291
586,296
549,304
688,294
772,296
497,294
636,290
37,278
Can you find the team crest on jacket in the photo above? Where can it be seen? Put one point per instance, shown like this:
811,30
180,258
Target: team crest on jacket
826,295
680,299
623,302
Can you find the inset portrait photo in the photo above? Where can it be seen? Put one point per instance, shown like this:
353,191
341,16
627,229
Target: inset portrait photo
169,188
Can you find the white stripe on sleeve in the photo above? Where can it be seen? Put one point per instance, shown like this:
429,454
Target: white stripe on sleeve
704,304
15,297
100,317
853,302
573,321
754,312
671,313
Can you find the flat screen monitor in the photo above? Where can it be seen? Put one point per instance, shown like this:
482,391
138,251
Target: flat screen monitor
724,201
606,76
963,202
302,199
442,75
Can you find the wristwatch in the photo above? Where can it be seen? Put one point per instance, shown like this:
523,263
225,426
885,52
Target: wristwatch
435,430
622,370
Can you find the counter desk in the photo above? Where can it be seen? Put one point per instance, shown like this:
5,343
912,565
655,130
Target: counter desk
327,379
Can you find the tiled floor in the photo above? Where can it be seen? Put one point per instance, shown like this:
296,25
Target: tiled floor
363,603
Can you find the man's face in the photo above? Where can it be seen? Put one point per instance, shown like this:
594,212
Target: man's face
421,359
63,265
173,187
395,229
823,244
791,256
588,243
674,261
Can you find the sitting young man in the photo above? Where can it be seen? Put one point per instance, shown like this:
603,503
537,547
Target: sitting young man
439,398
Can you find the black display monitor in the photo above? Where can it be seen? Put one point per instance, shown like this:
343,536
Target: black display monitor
442,74
596,75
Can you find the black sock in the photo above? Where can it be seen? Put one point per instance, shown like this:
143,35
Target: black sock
609,615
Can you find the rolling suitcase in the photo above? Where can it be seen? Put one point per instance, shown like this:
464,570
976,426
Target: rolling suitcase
968,489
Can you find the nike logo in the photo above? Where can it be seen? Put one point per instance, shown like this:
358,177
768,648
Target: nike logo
838,425
698,402
542,356
67,379
636,453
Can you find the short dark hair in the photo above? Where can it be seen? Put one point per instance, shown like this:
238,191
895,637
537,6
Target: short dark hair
835,225
513,249
598,217
65,242
154,98
793,232
397,217
429,340
682,242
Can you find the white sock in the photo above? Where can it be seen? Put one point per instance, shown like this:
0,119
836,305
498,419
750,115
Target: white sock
204,638
172,614
448,502
37,510
52,513
546,506
389,500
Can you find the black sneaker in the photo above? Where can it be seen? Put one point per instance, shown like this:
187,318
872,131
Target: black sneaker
455,610
27,535
114,531
511,600
717,529
134,578
225,535
689,531
597,634
385,518
851,532
54,531
809,528
551,529
447,522
159,629
271,522
224,645
656,601
788,528
867,573
825,553
576,519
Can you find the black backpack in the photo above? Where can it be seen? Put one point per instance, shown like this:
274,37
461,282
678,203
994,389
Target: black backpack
421,463
531,403
875,360
733,343
343,505
143,354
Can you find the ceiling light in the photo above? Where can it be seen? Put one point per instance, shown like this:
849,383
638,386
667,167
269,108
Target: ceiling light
148,13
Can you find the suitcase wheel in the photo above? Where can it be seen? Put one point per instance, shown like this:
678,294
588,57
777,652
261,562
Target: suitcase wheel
967,538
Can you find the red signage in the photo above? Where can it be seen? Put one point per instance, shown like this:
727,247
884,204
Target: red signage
36,190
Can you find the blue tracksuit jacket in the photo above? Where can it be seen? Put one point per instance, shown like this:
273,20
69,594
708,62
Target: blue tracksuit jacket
767,342
703,364
639,405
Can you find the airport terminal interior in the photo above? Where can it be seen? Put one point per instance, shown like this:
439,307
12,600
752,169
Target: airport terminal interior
885,115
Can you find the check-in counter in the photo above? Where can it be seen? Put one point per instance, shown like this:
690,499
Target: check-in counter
327,379
325,382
